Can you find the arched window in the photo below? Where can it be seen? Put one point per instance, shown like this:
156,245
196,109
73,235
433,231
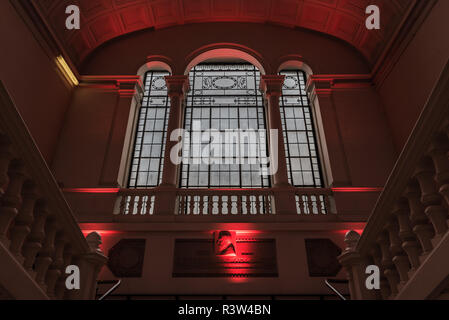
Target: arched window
303,164
149,146
225,97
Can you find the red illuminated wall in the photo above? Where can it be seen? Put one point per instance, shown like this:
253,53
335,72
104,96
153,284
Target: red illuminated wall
30,75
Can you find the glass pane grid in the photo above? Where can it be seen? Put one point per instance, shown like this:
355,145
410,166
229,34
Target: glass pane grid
299,133
225,97
149,146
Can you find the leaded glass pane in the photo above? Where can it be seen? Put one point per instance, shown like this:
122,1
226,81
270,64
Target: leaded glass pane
299,134
149,146
224,97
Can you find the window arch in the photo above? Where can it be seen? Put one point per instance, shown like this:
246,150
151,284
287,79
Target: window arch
149,145
225,96
301,148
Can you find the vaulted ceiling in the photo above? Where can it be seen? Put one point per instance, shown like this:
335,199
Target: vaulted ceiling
102,20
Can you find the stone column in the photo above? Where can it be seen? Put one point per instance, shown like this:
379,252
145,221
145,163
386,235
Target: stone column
355,266
5,158
12,199
284,194
165,202
90,265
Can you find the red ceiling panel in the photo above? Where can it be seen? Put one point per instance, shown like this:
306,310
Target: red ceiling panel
107,19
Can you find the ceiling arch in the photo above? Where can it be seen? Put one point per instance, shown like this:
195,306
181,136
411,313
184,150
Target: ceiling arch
103,20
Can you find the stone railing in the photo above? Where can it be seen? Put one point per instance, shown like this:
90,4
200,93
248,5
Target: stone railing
39,235
407,234
313,201
225,202
136,202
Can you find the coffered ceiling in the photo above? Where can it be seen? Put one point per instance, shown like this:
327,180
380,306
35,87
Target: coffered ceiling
102,20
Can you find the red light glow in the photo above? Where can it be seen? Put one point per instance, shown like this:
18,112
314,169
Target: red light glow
357,189
91,190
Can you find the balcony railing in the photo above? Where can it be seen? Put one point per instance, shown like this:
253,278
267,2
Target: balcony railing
225,202
407,234
39,235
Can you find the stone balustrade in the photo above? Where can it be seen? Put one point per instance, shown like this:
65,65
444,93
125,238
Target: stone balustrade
39,236
407,234
225,202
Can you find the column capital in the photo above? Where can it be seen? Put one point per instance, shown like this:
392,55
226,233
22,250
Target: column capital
271,85
177,85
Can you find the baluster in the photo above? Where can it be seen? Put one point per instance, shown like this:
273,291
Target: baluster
220,205
210,204
327,205
146,204
439,153
33,244
216,208
55,269
153,200
12,199
258,205
192,205
309,204
301,204
266,202
384,284
234,208
387,263
182,204
248,204
123,204
132,202
24,220
409,243
319,204
140,203
45,257
400,261
5,158
60,284
421,225
440,156
201,205
430,197
239,204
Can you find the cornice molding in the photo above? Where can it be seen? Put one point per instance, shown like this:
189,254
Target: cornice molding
325,84
123,85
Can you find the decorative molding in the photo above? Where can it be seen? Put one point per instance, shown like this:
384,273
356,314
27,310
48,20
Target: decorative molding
271,85
104,21
125,86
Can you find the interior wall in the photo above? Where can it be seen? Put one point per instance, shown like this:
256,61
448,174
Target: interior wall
362,131
32,79
324,54
158,263
409,84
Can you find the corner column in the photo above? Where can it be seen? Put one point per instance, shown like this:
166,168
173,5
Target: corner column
165,203
284,193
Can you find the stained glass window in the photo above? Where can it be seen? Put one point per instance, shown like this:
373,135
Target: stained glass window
148,156
299,133
226,99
